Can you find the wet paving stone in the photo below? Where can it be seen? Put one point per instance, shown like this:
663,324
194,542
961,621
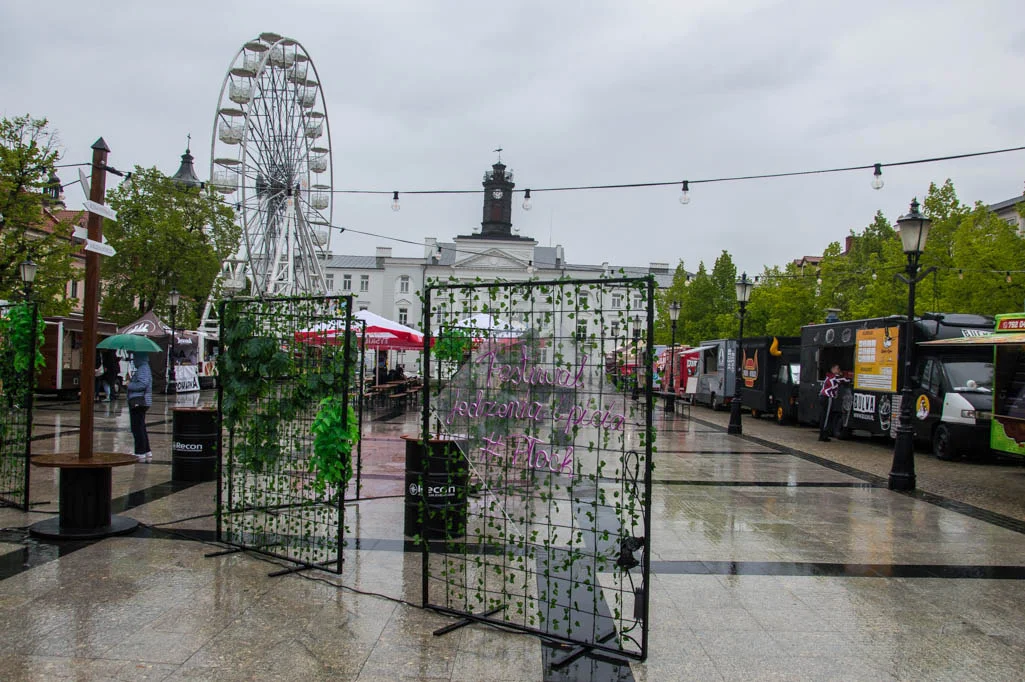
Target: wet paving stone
771,559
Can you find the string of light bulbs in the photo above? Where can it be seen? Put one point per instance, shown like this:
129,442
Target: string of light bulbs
877,181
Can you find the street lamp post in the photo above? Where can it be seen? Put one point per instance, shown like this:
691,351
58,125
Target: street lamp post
615,352
173,298
637,365
28,275
674,315
744,286
913,229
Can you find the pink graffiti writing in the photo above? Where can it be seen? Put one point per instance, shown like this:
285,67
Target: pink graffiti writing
532,375
526,452
480,408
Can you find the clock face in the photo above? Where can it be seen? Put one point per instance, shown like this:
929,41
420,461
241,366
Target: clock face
497,193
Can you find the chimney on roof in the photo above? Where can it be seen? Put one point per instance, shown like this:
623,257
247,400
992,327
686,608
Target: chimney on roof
384,252
848,243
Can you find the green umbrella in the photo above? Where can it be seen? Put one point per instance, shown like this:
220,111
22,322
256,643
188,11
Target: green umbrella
132,342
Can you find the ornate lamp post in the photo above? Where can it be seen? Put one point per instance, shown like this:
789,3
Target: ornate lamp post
744,286
913,229
635,325
173,298
674,315
28,275
615,352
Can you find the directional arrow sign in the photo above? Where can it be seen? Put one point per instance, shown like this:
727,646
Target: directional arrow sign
81,234
97,247
83,179
100,210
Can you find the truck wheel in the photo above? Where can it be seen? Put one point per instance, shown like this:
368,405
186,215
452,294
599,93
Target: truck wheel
941,444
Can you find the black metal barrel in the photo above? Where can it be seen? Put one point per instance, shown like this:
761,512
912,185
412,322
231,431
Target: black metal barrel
195,439
440,468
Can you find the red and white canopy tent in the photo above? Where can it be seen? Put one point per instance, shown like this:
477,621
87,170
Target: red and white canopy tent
381,333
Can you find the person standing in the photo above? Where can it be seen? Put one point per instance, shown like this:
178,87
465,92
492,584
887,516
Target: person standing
140,398
829,391
110,367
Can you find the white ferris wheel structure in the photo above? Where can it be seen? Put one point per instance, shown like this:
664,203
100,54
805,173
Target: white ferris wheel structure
270,157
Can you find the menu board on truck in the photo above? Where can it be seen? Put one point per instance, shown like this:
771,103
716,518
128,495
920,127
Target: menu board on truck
875,359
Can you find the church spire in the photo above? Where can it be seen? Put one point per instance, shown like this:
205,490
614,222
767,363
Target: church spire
186,175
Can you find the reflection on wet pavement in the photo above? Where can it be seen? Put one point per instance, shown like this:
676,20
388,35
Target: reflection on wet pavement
769,561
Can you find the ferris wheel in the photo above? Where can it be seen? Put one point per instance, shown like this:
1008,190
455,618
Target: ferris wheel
270,156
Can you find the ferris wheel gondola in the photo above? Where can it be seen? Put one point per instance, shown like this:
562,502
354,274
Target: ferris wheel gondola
271,158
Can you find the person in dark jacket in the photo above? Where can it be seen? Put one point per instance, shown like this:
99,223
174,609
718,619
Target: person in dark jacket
140,398
830,389
108,360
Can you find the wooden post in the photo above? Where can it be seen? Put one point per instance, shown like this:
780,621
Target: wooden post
91,304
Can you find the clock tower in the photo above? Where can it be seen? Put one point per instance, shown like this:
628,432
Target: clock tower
498,186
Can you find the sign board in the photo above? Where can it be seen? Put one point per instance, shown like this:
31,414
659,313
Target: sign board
97,247
83,179
1010,323
186,378
82,234
100,209
875,360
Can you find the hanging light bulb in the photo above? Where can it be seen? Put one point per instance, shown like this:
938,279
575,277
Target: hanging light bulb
877,177
1008,278
819,281
874,276
395,206
685,196
960,274
527,204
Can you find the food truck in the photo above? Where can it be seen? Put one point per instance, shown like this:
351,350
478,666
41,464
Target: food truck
952,381
62,350
1007,345
716,373
769,365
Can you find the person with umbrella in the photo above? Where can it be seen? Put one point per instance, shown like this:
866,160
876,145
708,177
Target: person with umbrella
140,397
139,386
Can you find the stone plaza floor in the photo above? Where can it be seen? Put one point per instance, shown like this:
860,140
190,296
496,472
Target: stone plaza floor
773,557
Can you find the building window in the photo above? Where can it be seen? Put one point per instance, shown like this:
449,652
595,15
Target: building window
617,301
582,300
638,302
363,307
404,316
329,282
404,284
581,330
364,282
74,288
346,282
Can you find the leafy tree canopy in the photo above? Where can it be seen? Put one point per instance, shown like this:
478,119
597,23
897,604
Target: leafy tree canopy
28,152
167,237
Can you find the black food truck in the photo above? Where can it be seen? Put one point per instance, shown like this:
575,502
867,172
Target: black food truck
770,370
952,385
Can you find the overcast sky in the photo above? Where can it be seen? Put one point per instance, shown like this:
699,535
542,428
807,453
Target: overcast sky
418,93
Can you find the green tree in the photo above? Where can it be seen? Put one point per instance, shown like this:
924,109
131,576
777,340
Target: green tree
167,237
783,301
28,152
678,291
724,297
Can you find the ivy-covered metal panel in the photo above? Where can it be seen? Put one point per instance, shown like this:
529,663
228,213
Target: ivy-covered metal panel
19,354
288,426
543,389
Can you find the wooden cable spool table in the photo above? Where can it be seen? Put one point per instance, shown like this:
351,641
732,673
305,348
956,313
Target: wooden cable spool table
85,497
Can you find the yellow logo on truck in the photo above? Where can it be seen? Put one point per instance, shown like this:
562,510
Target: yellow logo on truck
922,406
